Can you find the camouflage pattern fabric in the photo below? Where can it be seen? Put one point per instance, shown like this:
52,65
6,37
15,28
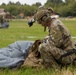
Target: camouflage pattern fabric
43,14
34,58
1,19
58,44
48,59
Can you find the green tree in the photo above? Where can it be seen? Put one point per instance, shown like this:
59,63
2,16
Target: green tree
12,9
18,3
37,4
11,3
67,8
53,3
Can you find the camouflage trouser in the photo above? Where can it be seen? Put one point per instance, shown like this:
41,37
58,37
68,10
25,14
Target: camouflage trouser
48,59
50,54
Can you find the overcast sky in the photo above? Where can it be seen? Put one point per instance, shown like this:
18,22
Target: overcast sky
30,2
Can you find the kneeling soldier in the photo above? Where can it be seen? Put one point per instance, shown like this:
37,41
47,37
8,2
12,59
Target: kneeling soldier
58,47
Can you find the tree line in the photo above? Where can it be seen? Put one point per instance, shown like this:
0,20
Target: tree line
64,8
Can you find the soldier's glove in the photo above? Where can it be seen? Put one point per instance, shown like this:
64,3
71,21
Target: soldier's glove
45,39
30,22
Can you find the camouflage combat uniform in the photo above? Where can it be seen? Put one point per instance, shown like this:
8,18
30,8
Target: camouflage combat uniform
1,19
57,46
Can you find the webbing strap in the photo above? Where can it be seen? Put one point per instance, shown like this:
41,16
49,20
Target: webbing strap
68,53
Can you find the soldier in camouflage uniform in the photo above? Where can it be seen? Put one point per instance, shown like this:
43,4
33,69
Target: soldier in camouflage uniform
58,49
1,19
3,22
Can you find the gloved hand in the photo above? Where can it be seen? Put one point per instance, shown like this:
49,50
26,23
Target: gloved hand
45,39
30,22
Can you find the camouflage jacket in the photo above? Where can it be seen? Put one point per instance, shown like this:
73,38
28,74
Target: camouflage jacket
60,42
59,34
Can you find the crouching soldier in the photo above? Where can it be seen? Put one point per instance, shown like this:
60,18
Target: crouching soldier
58,48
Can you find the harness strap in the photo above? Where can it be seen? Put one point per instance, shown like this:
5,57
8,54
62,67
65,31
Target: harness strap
68,53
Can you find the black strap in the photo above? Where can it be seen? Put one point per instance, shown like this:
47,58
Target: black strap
68,53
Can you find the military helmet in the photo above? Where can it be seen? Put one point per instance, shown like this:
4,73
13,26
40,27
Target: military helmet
41,14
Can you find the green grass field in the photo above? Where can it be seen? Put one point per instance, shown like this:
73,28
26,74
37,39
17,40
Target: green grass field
19,30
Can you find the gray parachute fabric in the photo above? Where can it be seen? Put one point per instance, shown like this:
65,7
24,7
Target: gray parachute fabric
15,54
